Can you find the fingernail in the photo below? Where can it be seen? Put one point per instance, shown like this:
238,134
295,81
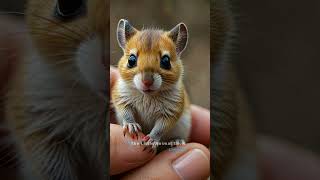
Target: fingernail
192,165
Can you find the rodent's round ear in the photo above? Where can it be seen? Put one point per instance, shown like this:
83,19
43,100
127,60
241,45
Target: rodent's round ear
179,35
124,32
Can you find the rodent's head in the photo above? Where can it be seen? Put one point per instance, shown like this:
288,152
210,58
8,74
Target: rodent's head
73,35
151,60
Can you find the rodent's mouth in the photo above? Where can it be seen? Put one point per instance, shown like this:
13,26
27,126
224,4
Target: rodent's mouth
148,90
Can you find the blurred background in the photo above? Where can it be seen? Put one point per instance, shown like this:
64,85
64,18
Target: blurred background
8,157
166,14
163,14
12,5
279,57
279,67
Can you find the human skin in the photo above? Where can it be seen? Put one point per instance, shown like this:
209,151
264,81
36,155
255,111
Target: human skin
125,157
11,45
277,159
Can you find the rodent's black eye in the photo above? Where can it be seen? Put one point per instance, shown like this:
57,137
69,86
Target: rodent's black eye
132,61
165,62
67,9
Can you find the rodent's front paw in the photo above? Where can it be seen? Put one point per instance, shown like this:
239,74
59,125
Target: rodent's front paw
150,143
132,129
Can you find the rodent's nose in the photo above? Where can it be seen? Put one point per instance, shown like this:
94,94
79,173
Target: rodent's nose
147,79
148,82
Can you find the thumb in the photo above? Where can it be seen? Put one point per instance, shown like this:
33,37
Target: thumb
191,161
114,75
124,155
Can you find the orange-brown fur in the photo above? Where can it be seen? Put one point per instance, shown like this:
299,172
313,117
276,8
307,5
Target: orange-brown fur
149,57
149,44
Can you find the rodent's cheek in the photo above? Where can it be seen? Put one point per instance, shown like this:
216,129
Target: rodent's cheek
156,85
172,76
137,80
169,78
126,74
157,81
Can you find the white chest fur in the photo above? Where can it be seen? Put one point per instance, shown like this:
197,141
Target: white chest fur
149,108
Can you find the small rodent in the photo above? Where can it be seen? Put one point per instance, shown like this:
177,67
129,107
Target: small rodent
56,105
149,96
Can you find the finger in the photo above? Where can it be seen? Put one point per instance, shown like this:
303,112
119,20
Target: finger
200,117
281,160
114,75
123,154
200,131
183,162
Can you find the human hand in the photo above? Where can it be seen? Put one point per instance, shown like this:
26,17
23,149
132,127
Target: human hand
277,160
191,161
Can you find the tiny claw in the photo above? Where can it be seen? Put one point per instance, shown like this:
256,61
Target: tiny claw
145,138
151,150
144,148
137,135
124,134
